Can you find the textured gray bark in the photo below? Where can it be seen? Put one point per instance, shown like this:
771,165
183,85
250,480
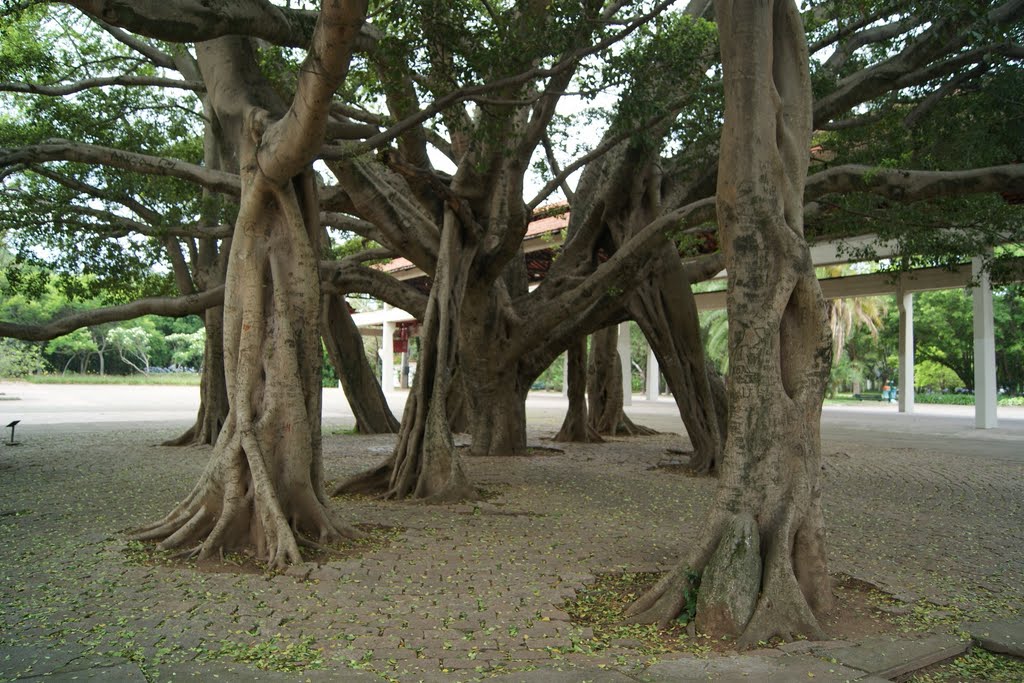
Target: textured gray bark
666,312
213,391
779,344
263,489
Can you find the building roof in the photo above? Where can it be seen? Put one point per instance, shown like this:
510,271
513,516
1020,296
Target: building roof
553,219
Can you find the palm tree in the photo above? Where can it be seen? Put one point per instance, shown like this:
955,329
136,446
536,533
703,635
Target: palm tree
844,315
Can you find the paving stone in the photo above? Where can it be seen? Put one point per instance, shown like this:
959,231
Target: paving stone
18,661
889,657
1004,637
225,672
126,672
750,668
574,675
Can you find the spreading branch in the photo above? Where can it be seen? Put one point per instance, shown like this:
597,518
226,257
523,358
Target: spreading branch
89,83
66,150
174,307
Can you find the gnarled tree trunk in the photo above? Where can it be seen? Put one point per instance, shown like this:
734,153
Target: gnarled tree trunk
263,488
763,551
666,311
358,380
213,392
604,387
576,426
425,464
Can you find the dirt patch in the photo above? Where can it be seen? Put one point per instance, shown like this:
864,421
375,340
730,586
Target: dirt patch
855,613
602,604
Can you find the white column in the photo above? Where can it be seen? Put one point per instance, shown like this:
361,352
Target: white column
653,375
565,373
624,352
387,354
986,392
905,301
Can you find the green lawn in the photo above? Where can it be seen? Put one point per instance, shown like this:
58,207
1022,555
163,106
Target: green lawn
174,378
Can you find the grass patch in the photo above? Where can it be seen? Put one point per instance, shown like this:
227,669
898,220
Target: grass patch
171,378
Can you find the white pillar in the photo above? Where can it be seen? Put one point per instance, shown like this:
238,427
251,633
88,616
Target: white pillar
387,354
905,301
653,375
565,373
624,355
986,392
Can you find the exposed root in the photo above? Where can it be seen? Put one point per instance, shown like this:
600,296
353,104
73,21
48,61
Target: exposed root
187,554
372,482
185,439
663,602
582,434
624,427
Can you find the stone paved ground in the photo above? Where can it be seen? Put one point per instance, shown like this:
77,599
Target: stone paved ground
462,591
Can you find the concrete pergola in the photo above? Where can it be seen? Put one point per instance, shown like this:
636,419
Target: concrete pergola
546,234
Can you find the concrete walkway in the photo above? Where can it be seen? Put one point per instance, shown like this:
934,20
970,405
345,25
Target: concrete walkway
924,507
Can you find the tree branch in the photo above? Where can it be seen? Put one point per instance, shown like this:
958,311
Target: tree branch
906,185
174,307
469,92
65,150
86,84
290,143
347,277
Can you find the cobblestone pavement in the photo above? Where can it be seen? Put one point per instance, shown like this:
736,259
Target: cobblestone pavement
463,591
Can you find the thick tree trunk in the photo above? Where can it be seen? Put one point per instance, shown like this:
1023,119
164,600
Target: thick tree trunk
458,404
425,464
497,412
576,427
263,489
213,392
666,311
763,551
604,388
345,349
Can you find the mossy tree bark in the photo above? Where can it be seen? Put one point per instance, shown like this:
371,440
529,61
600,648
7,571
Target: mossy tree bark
779,347
263,488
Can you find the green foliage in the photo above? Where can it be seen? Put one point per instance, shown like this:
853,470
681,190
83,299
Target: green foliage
660,63
75,345
19,359
929,376
187,348
132,344
70,217
945,399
